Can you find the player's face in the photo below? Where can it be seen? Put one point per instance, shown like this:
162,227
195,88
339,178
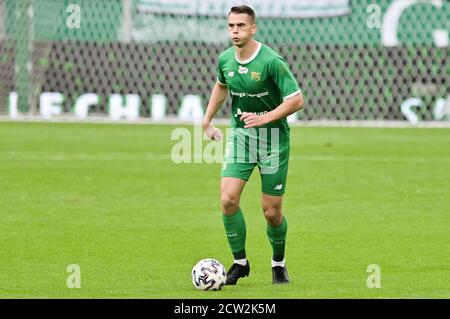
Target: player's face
240,28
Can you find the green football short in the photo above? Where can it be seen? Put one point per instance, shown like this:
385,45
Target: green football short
240,159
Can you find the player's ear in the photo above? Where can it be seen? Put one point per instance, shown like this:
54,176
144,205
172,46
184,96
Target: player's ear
254,28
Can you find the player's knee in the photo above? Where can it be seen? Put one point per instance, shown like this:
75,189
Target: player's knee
230,203
273,215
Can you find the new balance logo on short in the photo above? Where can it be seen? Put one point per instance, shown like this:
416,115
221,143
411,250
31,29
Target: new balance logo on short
278,187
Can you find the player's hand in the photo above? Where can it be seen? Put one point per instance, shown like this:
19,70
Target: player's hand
212,132
252,120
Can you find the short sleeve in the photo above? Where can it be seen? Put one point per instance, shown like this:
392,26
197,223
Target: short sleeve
219,73
283,78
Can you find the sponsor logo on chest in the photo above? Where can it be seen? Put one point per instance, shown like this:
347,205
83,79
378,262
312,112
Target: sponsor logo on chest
242,70
255,76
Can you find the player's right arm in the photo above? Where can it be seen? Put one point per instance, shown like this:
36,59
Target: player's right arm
218,96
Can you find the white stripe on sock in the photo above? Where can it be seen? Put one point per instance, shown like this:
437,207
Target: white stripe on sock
242,262
279,263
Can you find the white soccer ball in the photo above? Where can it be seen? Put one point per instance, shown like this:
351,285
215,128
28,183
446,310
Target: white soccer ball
209,274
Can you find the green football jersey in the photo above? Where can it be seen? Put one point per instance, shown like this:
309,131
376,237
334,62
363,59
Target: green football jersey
258,85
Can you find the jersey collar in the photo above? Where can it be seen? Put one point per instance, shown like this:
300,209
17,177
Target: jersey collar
250,58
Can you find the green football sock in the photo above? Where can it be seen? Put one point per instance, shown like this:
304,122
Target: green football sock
236,232
277,238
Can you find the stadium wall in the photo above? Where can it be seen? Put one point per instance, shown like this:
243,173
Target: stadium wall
346,67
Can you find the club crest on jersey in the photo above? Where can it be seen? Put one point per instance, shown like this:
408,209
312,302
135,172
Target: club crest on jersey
256,76
242,70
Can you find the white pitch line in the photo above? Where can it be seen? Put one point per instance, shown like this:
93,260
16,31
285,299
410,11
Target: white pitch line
17,156
84,157
173,120
370,159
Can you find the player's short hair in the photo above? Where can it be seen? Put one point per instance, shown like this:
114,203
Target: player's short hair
244,9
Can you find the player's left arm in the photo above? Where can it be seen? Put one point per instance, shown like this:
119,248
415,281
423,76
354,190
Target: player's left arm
288,86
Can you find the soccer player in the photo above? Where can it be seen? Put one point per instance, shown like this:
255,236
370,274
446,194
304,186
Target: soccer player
264,92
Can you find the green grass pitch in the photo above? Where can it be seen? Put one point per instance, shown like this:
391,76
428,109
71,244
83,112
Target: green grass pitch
109,199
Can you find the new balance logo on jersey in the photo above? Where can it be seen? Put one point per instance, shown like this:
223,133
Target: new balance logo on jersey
231,74
278,187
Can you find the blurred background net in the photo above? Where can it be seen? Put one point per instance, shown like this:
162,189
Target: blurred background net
354,60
